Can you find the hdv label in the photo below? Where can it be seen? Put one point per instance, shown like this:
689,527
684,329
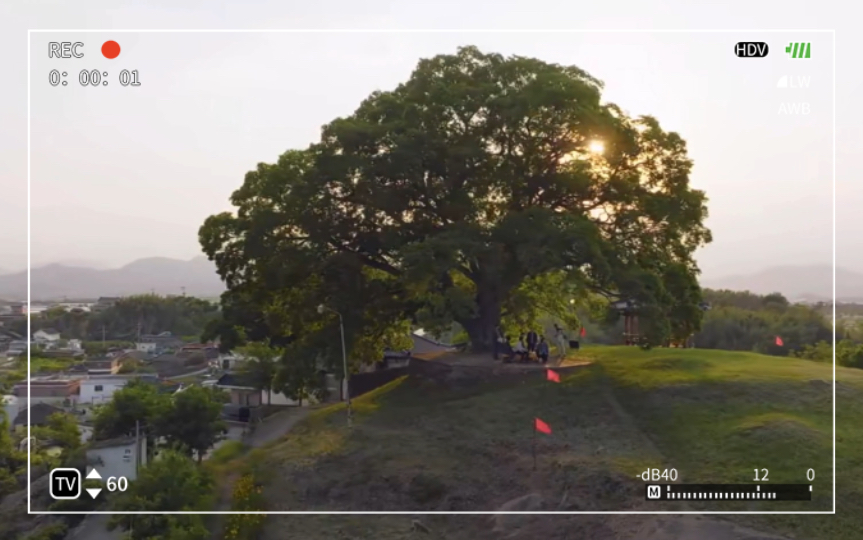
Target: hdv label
751,49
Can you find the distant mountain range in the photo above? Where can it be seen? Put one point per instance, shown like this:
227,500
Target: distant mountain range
157,274
797,283
198,276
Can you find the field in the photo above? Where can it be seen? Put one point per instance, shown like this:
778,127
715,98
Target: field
450,438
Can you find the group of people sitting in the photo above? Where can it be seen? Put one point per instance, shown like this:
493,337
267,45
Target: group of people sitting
530,346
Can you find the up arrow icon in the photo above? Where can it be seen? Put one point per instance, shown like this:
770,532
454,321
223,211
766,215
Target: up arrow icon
94,475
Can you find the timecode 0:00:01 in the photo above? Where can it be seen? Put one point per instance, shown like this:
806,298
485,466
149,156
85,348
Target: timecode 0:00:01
94,77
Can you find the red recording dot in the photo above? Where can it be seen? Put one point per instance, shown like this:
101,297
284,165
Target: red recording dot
111,49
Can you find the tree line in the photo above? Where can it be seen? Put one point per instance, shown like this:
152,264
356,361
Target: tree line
144,314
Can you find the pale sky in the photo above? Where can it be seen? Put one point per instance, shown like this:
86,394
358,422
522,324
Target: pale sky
120,173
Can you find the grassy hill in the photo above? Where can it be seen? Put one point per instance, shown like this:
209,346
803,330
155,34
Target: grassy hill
459,439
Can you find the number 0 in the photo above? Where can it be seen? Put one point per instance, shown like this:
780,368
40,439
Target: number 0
810,474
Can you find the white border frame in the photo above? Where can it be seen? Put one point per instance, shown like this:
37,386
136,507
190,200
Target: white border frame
431,31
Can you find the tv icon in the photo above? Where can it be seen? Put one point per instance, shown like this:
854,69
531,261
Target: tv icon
654,492
64,484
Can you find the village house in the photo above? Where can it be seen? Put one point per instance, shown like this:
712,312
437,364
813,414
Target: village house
98,389
46,336
39,414
174,365
120,457
102,366
53,390
210,351
244,394
17,347
158,343
228,361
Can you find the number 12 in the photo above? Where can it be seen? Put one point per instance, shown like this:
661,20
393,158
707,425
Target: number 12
763,475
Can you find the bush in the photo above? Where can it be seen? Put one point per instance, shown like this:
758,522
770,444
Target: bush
226,452
247,497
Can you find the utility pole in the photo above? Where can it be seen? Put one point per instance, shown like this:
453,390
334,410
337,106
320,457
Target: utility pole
137,446
346,374
103,334
184,290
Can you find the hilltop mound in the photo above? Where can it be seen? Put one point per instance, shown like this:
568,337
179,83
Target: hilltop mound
457,435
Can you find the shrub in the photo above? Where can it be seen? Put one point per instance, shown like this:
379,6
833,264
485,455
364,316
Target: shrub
247,496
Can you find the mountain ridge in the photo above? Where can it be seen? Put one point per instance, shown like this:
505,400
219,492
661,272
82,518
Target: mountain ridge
198,277
160,275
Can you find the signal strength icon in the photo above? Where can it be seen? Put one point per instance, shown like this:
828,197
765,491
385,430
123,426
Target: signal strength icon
798,50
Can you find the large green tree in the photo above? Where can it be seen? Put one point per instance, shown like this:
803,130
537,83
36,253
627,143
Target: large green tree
450,196
193,421
171,483
138,405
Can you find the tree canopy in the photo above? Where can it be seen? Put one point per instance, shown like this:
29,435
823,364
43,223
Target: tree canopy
480,183
145,313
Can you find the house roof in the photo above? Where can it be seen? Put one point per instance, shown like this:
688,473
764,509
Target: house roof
48,331
104,363
425,345
239,380
121,377
39,414
135,355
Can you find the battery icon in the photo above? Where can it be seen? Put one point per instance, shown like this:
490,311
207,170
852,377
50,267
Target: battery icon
799,50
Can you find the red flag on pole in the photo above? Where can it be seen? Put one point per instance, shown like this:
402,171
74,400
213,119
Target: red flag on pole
779,341
552,375
583,331
542,426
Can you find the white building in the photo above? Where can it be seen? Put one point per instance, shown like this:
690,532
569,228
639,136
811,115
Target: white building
99,389
147,347
229,361
46,336
117,457
11,408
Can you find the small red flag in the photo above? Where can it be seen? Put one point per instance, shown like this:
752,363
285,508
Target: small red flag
583,331
552,375
542,427
779,341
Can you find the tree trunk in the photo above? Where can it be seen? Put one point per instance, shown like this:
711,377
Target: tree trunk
481,329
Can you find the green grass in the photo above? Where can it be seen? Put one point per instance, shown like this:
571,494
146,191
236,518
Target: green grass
715,416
